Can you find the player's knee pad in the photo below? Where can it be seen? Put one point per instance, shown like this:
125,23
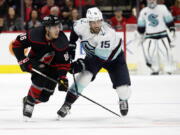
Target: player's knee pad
123,92
82,80
45,95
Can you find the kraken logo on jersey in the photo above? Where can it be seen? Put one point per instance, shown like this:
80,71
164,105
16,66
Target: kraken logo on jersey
152,18
89,49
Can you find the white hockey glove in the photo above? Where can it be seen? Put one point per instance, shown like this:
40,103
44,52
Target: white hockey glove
139,38
172,36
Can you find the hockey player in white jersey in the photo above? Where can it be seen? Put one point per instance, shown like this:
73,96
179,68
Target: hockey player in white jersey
103,50
153,24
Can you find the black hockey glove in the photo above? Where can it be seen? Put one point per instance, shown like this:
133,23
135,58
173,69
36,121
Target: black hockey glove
63,84
77,66
72,51
40,66
25,65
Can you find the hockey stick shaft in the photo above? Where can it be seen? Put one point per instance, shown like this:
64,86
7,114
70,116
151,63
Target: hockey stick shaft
45,76
75,83
146,58
99,105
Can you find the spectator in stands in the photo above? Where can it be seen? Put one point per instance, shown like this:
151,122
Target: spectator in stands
132,19
87,4
160,1
12,22
1,24
45,10
167,3
176,11
142,5
28,9
83,3
55,11
34,21
3,8
74,17
117,20
66,9
66,13
38,4
15,4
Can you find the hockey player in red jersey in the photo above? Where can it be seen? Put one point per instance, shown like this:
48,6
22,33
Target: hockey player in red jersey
49,55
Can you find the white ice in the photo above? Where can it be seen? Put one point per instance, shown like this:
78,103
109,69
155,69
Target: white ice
154,108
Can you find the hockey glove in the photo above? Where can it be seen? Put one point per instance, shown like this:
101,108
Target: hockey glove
25,65
172,37
40,66
77,66
72,51
63,83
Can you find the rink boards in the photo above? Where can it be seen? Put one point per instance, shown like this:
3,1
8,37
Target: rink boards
134,56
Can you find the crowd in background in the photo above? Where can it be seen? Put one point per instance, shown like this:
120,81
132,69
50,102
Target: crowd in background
68,11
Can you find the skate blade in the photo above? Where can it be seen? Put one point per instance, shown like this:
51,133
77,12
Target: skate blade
59,118
26,119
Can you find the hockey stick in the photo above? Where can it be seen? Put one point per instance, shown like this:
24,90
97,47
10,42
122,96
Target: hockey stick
89,98
55,81
45,76
146,58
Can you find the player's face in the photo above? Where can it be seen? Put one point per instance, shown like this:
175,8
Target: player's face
152,3
95,26
54,31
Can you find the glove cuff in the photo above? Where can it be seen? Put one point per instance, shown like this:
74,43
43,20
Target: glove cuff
62,77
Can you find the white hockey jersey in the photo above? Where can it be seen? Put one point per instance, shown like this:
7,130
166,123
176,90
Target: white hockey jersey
101,44
155,20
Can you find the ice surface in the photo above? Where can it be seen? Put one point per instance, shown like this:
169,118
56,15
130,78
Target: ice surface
154,108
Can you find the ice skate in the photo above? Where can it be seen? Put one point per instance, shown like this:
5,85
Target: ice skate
155,73
63,111
27,109
123,106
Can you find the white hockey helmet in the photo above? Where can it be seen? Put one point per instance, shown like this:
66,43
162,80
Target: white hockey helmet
94,14
151,3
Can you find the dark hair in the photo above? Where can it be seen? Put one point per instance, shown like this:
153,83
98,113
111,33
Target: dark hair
38,14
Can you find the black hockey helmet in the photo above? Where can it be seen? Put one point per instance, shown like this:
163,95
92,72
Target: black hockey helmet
51,20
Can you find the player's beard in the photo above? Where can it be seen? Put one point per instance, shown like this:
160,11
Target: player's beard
95,30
